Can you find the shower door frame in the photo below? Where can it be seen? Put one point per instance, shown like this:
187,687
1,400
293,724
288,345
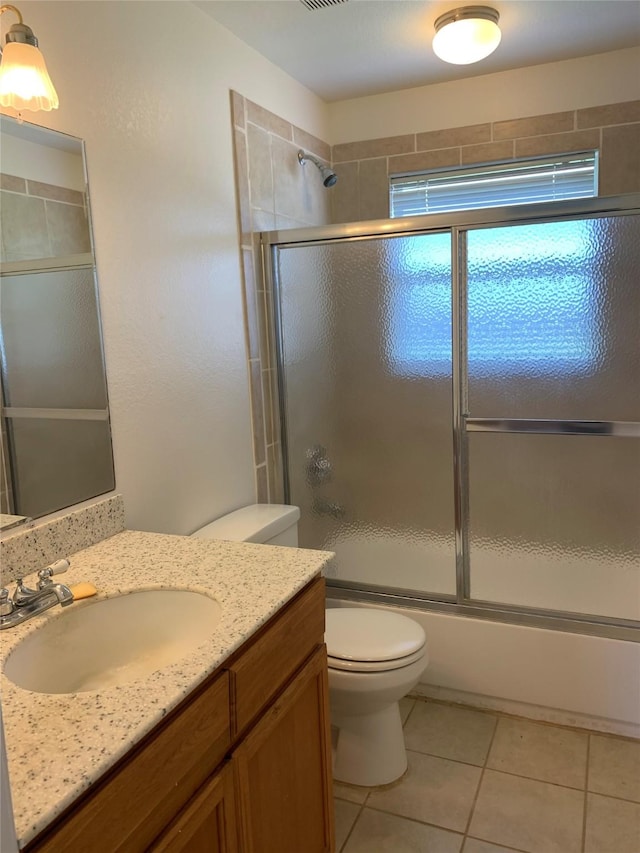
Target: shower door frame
457,225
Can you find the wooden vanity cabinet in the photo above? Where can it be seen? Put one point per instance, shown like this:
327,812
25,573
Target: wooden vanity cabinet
242,766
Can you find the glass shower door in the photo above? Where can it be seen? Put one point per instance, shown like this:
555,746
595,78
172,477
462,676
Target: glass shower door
554,404
365,338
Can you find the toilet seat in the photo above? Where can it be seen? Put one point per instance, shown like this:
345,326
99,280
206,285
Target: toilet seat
376,665
368,640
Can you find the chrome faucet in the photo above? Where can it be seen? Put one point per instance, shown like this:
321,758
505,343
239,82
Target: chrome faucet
26,603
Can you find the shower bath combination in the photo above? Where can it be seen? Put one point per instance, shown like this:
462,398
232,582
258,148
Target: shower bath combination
456,409
329,177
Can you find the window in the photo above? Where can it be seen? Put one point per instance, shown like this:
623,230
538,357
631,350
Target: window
559,178
534,302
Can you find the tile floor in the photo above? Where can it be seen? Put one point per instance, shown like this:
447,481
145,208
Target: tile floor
481,782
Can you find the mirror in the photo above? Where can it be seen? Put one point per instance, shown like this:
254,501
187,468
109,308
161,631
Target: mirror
56,437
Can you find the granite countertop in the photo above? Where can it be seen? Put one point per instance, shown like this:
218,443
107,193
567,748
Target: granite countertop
58,745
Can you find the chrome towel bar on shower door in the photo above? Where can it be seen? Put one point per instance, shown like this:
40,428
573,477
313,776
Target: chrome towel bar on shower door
620,429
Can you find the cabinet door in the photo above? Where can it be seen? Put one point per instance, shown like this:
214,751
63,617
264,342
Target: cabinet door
207,824
283,770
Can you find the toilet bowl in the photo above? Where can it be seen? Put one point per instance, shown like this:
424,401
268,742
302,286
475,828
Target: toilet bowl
375,657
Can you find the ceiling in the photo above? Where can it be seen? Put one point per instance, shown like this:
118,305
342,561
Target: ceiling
365,47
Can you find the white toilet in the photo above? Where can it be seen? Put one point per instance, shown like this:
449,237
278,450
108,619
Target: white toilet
375,658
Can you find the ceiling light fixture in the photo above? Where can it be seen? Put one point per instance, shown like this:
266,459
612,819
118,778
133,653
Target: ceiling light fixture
24,80
467,35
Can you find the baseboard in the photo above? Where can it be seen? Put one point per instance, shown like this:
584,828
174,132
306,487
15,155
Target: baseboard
557,716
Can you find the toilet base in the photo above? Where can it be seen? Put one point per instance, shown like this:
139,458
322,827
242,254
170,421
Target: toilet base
370,749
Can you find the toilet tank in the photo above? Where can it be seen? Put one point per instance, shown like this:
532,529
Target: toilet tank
269,524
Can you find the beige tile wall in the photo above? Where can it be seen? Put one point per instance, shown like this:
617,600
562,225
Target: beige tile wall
273,191
40,220
364,167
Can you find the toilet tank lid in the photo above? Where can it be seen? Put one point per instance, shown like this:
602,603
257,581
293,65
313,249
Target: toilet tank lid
255,523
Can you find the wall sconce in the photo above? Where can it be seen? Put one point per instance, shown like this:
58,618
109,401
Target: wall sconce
24,80
467,35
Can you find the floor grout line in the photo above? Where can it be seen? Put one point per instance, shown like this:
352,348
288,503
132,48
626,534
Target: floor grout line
493,844
417,820
409,714
507,772
535,779
353,825
612,797
477,794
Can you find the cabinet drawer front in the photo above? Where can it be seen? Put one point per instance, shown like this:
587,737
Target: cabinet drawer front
131,807
274,657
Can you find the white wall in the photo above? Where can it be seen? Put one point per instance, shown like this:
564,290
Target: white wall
146,84
606,78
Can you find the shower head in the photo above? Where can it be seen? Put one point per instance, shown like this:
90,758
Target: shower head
329,177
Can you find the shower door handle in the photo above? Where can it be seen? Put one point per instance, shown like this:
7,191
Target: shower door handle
540,426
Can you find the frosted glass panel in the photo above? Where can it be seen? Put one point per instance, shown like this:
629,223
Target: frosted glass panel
59,462
52,355
554,522
367,371
554,320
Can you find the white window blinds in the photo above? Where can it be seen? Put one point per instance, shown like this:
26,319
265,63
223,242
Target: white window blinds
519,182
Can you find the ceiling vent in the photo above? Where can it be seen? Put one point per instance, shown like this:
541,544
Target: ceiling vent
312,5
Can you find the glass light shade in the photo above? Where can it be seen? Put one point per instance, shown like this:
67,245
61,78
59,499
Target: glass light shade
24,80
467,40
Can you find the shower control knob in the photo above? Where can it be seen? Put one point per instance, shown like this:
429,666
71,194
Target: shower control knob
318,466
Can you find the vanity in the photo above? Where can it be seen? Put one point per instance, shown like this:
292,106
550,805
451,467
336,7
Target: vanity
227,749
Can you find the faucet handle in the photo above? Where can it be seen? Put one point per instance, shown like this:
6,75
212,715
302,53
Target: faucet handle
6,605
57,568
22,594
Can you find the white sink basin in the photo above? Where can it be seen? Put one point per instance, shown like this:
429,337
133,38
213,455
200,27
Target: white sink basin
101,644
